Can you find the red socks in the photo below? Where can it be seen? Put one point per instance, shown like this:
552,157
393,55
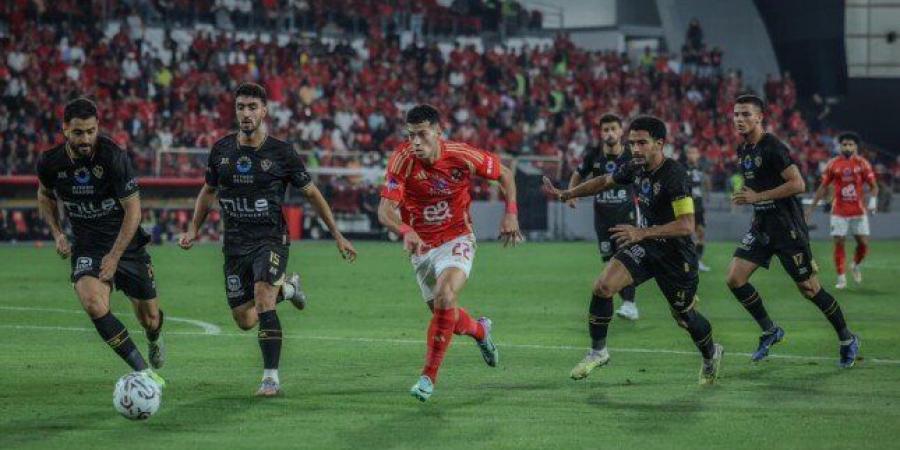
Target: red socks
465,325
440,333
839,257
861,250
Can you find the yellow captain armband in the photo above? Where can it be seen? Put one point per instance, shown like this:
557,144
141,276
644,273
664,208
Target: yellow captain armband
682,206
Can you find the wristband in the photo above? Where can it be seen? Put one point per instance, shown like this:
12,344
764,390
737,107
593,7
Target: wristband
405,229
873,203
512,208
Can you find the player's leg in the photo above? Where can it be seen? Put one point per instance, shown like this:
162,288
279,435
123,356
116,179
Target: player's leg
615,276
608,247
238,289
700,241
135,278
680,290
94,297
861,234
268,276
839,227
747,258
802,268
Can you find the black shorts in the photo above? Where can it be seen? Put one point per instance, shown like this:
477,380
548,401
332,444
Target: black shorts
699,216
792,250
134,274
265,263
676,276
607,245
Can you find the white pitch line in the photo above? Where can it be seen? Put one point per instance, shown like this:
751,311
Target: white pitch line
207,327
416,342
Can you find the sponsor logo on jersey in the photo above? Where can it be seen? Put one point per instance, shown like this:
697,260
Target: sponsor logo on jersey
243,207
748,162
61,175
244,164
82,175
610,167
437,213
91,209
223,161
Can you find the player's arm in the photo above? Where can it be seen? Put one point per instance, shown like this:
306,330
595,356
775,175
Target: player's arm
509,226
821,192
574,180
49,211
323,210
130,223
588,188
205,197
683,225
793,185
872,181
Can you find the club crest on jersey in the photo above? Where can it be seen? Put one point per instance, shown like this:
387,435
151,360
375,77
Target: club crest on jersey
656,188
847,172
456,174
610,167
758,161
392,184
265,165
82,175
98,171
440,186
244,164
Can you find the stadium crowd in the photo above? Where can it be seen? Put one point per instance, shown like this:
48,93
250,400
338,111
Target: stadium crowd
343,102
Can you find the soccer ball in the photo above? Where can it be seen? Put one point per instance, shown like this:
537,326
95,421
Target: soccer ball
136,396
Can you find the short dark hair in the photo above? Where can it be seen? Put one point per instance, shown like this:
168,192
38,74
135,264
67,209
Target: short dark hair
609,118
751,99
423,113
652,125
80,108
251,90
848,136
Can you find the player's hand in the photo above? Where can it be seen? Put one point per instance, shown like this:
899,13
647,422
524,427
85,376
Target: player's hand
509,230
625,234
187,239
63,249
108,267
413,244
550,189
745,196
571,203
346,248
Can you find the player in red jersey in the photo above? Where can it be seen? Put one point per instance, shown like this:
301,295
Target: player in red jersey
848,173
428,181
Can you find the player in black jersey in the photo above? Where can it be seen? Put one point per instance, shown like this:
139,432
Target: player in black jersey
699,183
249,172
94,181
772,183
613,206
660,248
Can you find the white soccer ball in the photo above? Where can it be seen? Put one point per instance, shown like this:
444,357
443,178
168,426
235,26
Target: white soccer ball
136,396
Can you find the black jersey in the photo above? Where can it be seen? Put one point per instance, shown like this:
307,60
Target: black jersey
657,192
761,166
251,184
614,205
696,179
90,190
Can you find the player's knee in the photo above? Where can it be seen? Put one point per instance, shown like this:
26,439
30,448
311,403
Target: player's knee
243,321
148,319
809,288
735,280
445,297
604,289
95,305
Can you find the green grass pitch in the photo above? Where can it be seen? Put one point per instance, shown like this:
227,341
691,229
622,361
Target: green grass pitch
350,358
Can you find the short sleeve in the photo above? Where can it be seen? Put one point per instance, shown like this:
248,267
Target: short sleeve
124,180
868,173
587,164
43,173
487,165
394,182
296,171
678,185
212,169
779,157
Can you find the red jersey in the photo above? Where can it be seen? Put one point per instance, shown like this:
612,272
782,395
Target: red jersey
848,176
434,199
